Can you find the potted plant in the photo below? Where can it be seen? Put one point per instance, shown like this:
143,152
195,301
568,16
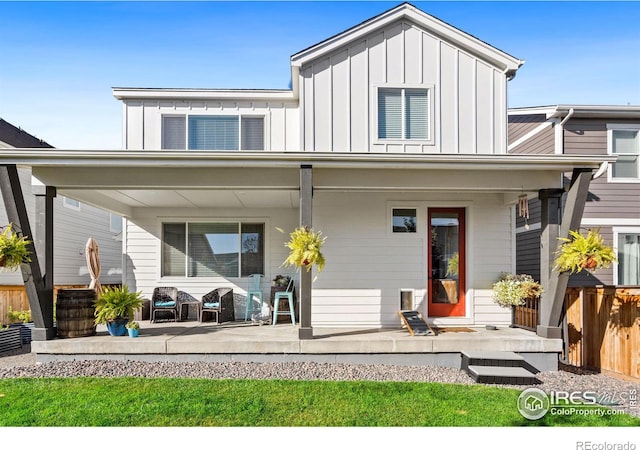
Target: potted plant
281,281
115,307
580,252
512,290
305,246
14,249
133,328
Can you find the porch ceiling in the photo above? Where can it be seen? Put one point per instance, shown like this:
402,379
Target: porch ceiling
123,180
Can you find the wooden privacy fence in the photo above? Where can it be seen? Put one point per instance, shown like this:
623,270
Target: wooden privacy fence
603,329
15,297
526,316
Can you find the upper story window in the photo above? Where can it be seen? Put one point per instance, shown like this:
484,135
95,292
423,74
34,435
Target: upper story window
213,132
624,142
404,113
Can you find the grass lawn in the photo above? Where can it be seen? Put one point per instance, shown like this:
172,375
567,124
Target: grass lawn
138,402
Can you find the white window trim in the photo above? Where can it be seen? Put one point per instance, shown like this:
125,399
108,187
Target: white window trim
402,205
611,127
616,232
374,116
66,204
240,115
217,279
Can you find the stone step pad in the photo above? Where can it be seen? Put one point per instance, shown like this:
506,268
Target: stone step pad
502,375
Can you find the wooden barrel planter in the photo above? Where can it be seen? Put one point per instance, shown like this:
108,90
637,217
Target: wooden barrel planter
75,310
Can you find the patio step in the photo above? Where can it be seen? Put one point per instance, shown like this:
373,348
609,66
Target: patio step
498,368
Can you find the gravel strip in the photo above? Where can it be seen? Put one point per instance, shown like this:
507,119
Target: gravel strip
22,364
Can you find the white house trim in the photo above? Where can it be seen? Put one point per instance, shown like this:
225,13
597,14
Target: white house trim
593,222
457,37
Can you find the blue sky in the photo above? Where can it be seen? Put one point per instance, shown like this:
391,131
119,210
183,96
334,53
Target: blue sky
59,60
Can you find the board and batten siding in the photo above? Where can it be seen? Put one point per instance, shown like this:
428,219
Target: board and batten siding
143,120
71,229
339,95
367,264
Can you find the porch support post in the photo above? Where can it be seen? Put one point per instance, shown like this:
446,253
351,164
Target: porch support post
306,208
554,283
44,245
41,305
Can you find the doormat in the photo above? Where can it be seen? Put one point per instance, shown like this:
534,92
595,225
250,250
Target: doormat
454,330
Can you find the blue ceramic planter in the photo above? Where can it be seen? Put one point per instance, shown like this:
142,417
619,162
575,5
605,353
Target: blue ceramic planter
133,332
117,327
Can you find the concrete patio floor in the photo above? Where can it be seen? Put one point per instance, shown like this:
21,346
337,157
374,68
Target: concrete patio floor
192,341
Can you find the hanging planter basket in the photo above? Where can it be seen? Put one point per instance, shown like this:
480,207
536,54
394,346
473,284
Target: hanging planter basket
305,246
14,249
583,252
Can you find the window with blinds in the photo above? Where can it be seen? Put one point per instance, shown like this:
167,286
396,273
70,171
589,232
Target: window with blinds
626,145
227,249
197,132
403,113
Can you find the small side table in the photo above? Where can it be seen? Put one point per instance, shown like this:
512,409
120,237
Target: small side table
187,303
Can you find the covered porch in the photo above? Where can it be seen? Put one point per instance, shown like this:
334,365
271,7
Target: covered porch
351,198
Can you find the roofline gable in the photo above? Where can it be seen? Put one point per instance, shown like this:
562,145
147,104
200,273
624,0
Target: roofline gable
509,64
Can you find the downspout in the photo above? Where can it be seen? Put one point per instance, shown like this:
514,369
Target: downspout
567,117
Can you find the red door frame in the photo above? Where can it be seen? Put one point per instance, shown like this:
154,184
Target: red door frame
444,309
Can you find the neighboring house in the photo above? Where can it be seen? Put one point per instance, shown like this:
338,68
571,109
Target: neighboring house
74,223
393,138
613,204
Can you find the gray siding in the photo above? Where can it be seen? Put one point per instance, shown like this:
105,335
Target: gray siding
606,200
72,229
585,137
528,253
541,143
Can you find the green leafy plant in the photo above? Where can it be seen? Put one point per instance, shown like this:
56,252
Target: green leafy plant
281,280
133,325
580,252
452,265
19,316
14,249
117,303
512,290
305,249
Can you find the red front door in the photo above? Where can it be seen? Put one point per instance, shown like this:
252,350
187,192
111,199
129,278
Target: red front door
446,258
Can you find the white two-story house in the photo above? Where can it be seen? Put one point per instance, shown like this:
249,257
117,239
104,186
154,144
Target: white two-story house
393,138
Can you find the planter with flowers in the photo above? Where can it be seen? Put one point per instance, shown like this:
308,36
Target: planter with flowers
518,291
305,247
583,252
